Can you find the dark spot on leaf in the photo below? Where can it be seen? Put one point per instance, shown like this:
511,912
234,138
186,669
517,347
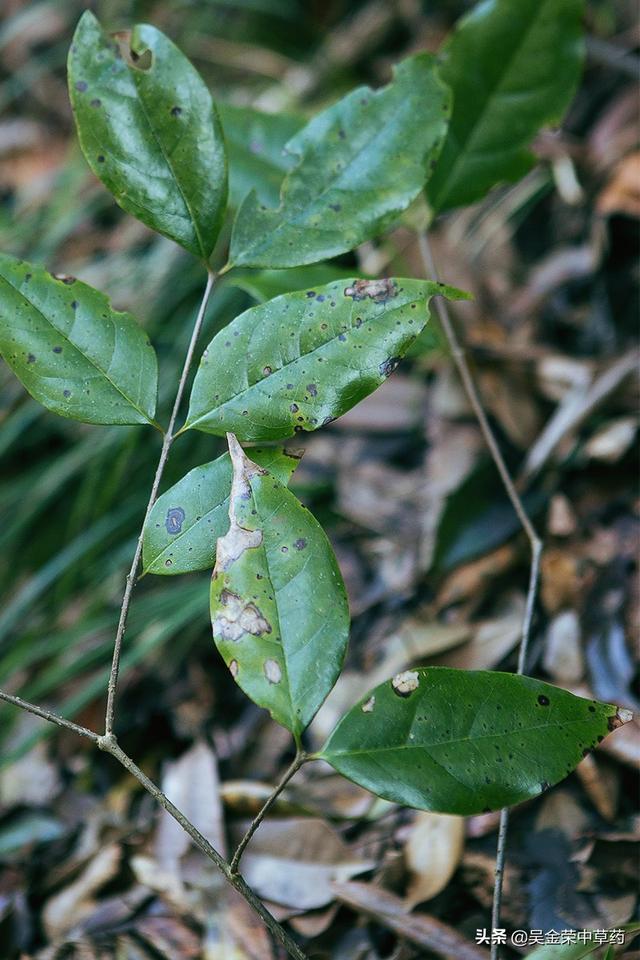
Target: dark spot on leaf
600,738
321,298
342,337
31,358
174,520
66,393
57,349
592,709
586,752
342,134
64,278
300,544
96,102
284,549
81,86
27,276
266,371
176,111
543,701
387,367
74,304
335,206
294,408
312,390
311,293
100,158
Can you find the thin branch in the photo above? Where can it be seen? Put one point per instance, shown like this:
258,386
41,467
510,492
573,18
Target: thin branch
109,744
535,542
164,455
49,715
259,817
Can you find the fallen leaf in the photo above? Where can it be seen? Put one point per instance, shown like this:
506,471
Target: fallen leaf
294,862
432,851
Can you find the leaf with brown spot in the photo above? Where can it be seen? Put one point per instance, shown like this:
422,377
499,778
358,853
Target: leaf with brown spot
463,741
278,605
305,358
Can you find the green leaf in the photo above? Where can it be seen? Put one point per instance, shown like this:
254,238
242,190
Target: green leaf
464,741
73,352
149,130
361,163
278,605
182,529
305,358
255,146
513,66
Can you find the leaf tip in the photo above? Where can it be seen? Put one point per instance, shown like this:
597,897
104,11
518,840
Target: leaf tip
621,716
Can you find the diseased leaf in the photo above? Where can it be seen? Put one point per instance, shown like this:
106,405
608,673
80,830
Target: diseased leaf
305,358
512,66
149,130
255,146
278,605
72,351
182,529
362,162
464,741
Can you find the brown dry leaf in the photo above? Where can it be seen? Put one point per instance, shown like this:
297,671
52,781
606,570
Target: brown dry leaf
602,786
315,922
294,862
563,658
170,937
622,193
472,580
395,406
191,782
66,909
610,443
561,521
432,851
421,929
33,779
478,870
492,639
560,580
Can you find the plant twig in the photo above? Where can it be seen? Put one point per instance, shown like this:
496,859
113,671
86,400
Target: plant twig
300,758
164,455
49,715
109,744
535,542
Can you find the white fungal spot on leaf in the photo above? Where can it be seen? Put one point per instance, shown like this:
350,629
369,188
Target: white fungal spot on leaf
405,683
235,617
237,539
369,705
272,671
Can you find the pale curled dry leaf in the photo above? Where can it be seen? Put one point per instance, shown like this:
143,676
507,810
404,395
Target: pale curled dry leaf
421,929
64,910
294,862
432,850
191,783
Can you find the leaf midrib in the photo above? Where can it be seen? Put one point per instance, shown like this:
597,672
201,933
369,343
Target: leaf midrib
70,342
440,743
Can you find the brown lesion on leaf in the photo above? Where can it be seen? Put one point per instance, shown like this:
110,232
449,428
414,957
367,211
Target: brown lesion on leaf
235,617
621,717
377,290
